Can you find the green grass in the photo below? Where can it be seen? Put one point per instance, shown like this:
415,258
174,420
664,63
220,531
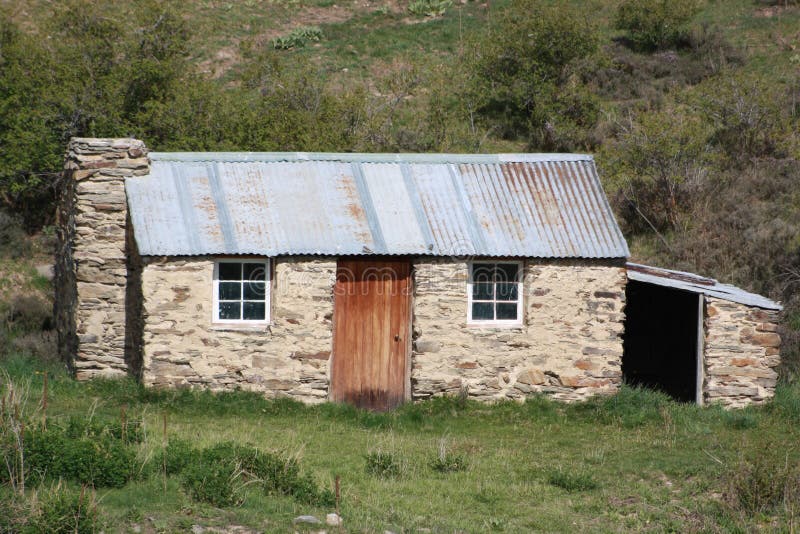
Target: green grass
636,461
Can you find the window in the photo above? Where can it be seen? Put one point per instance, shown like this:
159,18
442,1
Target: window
241,291
495,293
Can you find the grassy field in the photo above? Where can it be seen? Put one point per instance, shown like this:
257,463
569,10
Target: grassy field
634,462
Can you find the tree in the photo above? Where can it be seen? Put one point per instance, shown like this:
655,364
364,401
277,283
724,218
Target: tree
523,75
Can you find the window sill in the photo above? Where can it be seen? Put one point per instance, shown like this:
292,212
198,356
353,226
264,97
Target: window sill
261,327
496,326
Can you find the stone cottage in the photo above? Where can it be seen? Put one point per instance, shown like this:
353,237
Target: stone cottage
365,278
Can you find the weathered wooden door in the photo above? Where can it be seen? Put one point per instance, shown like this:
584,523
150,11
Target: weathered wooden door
371,337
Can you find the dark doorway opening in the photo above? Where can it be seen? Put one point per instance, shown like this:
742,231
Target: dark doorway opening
660,343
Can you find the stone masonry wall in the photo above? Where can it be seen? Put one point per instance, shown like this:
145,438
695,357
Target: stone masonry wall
290,357
570,345
91,263
742,350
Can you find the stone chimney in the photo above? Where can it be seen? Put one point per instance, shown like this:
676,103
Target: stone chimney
97,266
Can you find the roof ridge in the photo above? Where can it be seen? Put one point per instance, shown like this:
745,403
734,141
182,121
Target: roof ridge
377,157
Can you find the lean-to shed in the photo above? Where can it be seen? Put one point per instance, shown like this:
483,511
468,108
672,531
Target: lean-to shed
699,340
366,278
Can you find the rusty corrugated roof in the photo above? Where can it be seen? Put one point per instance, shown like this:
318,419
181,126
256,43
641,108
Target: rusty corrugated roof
526,205
698,284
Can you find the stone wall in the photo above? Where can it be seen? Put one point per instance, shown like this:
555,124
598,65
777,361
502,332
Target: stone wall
290,357
570,345
91,263
742,350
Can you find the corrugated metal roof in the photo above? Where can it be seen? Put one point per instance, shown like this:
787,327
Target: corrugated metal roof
524,205
698,284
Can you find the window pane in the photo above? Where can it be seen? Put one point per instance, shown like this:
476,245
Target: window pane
506,291
482,272
254,271
482,311
230,271
230,290
254,311
230,310
254,290
507,272
506,311
482,291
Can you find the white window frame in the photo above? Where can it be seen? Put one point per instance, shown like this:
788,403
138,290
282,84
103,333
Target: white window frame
520,295
267,263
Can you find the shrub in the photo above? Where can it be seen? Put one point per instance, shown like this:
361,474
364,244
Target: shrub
40,345
748,117
298,38
571,481
176,456
13,242
220,472
383,464
82,427
655,167
99,460
656,24
523,81
30,313
429,8
215,482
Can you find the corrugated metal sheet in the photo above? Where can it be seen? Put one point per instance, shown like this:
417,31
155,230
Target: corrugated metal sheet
698,284
527,205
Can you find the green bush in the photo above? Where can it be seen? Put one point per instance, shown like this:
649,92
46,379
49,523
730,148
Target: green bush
656,24
523,78
429,8
100,461
13,241
179,454
218,474
571,481
82,427
383,464
215,482
297,38
29,313
449,463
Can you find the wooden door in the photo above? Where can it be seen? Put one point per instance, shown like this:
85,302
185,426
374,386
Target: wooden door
371,336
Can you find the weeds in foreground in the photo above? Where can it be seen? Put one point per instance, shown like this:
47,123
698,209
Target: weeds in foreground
447,461
383,464
763,481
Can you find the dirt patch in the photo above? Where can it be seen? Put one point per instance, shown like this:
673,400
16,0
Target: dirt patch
316,16
771,11
224,59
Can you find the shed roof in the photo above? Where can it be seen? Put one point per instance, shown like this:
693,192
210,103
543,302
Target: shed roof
523,205
698,284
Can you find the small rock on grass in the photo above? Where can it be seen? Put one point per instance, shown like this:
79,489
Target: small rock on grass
306,519
333,520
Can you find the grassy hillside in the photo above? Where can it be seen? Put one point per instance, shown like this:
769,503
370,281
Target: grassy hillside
635,462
